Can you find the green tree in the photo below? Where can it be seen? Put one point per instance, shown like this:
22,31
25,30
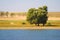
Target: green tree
37,16
31,15
45,8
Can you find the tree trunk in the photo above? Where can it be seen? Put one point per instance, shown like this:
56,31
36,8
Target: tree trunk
43,24
38,24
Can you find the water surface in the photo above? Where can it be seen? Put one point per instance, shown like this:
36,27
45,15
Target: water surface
29,34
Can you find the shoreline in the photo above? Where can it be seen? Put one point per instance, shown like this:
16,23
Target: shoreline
27,28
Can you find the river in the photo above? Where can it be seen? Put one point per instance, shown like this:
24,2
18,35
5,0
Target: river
30,34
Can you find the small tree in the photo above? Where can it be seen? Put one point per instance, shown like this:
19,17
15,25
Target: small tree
2,14
12,14
37,16
7,13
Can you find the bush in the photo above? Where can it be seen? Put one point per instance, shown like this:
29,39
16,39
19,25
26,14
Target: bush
23,23
49,24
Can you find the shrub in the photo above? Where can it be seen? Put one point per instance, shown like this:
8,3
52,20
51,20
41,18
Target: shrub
49,24
23,23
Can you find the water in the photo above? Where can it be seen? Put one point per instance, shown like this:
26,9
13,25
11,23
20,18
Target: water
29,34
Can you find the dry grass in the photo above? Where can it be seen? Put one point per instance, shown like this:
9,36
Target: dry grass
54,14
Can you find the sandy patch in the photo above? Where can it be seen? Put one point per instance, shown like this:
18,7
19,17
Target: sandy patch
29,28
24,18
13,18
53,18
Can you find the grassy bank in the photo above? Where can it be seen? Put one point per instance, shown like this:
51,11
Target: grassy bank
24,23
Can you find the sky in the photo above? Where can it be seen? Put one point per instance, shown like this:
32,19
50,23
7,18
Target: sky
24,5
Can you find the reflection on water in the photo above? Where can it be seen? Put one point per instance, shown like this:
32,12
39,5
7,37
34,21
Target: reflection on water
29,34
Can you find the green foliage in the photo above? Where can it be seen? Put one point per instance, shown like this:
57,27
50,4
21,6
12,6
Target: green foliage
49,24
37,16
45,8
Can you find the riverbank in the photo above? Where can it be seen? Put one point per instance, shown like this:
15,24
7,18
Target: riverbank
27,28
18,24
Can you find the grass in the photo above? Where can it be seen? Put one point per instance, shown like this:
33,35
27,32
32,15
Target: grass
54,14
53,23
24,23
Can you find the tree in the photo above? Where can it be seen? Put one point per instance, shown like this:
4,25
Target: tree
2,14
45,8
45,17
7,13
37,16
31,15
12,14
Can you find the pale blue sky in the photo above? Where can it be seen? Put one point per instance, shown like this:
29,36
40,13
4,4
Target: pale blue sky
24,5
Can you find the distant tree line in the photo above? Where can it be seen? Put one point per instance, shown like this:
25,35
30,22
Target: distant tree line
2,14
12,14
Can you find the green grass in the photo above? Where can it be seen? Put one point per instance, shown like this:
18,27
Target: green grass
53,23
24,23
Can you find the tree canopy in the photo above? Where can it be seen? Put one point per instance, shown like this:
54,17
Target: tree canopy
37,16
